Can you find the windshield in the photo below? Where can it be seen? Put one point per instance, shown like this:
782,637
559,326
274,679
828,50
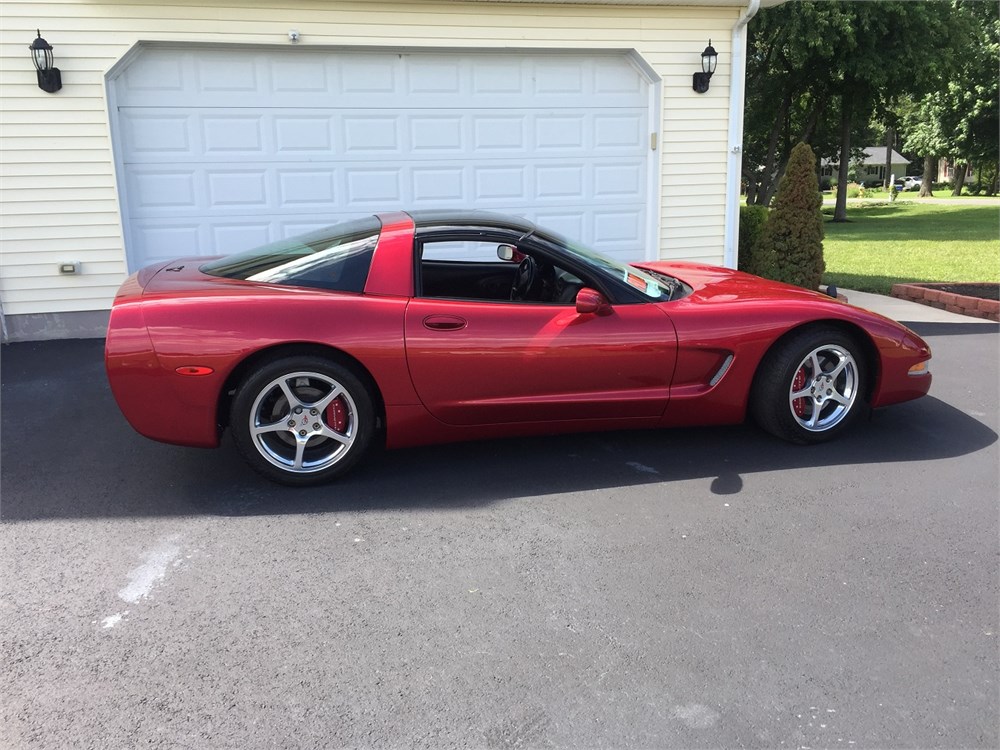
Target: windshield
335,258
658,287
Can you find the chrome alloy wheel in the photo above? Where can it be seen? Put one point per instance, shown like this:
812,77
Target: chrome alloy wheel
303,422
824,388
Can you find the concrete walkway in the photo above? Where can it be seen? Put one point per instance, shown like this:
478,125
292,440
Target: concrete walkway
905,311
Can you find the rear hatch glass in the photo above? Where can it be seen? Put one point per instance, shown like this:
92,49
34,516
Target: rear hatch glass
336,258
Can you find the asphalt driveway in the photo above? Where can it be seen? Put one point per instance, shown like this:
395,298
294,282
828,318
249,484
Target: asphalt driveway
685,588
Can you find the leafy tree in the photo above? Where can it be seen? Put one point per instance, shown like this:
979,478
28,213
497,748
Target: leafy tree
790,248
962,119
818,71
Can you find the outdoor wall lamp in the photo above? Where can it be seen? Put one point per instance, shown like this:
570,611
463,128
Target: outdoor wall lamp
709,59
49,78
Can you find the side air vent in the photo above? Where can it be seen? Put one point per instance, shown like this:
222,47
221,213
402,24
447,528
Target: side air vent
722,370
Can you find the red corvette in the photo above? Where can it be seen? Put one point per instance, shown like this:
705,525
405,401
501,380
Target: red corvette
429,327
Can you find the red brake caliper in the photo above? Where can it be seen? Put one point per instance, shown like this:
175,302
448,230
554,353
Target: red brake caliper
799,404
336,415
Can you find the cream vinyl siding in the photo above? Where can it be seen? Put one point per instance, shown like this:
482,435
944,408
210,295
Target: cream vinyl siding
58,185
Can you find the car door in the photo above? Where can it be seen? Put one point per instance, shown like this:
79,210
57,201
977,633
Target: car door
489,361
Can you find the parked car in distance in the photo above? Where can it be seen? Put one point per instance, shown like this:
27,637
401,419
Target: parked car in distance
406,329
911,183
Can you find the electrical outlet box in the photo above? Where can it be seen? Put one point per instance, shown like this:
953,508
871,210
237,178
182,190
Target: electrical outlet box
70,267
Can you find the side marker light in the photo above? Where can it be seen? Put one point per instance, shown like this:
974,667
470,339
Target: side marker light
194,370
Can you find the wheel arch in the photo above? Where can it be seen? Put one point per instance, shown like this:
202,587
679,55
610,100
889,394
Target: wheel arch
294,349
872,362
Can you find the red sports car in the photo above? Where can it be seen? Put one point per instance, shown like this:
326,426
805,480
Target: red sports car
427,327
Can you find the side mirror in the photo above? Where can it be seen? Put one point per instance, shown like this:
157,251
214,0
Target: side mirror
592,302
506,252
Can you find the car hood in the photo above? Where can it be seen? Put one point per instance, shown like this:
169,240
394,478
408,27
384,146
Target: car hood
716,284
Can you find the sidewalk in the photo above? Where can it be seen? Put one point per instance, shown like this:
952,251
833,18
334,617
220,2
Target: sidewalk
906,311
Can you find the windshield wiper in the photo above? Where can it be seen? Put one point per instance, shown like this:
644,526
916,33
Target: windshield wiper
672,285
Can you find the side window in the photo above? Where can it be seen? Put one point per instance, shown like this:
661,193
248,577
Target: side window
465,269
473,269
463,251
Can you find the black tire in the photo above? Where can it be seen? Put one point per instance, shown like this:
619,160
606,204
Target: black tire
294,400
827,370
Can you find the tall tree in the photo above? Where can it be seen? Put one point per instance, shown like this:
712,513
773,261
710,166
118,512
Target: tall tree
856,57
961,120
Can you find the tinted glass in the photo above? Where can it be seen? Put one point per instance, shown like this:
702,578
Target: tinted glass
336,258
654,287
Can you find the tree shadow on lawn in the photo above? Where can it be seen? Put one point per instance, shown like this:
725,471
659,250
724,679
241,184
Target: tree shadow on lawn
68,454
898,222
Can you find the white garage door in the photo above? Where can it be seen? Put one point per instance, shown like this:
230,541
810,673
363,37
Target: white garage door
220,150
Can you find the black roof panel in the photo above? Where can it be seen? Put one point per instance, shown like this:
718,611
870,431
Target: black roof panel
460,217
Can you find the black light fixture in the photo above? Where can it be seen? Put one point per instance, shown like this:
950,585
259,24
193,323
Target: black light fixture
49,78
709,59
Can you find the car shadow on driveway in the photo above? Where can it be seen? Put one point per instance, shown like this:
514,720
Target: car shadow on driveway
67,453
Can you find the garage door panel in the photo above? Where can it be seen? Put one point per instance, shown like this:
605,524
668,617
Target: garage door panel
307,188
502,182
243,188
171,190
154,135
232,237
373,187
150,136
569,223
617,228
219,147
156,242
437,184
294,77
618,181
233,135
299,76
253,188
303,134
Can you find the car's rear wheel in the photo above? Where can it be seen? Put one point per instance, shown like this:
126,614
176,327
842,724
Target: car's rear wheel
302,420
811,387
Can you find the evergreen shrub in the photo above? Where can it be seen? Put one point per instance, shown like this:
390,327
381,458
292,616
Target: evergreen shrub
790,248
752,220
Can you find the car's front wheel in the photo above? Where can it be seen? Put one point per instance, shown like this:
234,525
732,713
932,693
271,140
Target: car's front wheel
811,387
302,420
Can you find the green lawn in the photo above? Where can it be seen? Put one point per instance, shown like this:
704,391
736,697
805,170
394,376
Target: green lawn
883,245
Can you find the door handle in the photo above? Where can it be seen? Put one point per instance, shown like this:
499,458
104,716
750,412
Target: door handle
445,323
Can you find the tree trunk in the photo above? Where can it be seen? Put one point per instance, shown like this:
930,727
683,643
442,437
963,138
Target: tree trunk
769,175
840,212
927,181
960,169
805,137
890,140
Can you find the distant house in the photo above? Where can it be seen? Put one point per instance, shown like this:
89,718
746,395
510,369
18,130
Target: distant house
946,171
873,166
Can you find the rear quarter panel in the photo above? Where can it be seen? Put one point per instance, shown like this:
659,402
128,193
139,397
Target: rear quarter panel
220,328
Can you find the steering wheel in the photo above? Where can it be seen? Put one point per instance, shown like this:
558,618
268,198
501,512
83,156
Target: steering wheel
526,278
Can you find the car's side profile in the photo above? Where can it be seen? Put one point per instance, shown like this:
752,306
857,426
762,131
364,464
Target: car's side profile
410,329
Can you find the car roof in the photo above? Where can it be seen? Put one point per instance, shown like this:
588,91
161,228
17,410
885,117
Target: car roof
472,218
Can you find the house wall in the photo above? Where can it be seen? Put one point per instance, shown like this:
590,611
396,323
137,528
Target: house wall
58,187
946,171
